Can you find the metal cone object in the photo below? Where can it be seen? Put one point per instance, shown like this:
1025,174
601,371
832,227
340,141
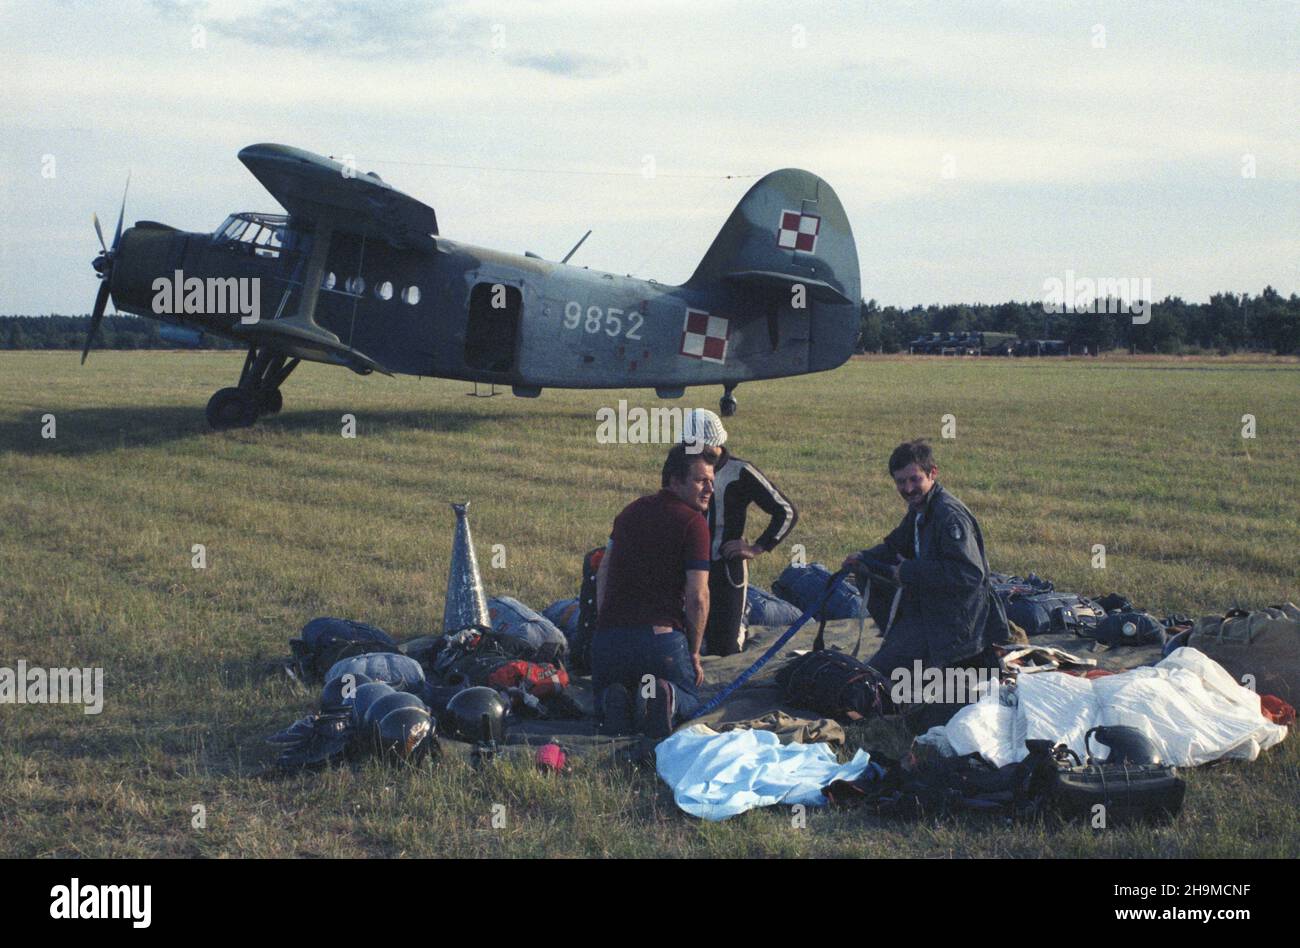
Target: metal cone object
466,606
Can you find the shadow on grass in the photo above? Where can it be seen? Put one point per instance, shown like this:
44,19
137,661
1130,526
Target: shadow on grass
96,430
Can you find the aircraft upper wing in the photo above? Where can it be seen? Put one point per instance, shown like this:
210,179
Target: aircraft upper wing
311,187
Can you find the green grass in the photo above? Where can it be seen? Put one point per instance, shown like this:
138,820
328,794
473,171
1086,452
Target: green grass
1145,457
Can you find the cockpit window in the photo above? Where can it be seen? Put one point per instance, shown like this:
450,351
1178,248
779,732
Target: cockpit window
262,235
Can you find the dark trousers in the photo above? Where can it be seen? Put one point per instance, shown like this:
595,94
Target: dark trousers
906,645
626,656
724,635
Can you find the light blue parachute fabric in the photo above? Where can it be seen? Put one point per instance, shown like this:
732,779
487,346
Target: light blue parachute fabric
803,586
401,671
715,776
512,619
564,616
767,609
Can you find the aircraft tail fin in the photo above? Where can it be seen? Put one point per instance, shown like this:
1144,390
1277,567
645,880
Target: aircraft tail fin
790,231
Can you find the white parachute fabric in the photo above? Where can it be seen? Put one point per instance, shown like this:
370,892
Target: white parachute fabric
1190,708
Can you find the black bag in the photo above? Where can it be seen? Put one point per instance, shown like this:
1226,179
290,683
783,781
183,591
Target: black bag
1044,612
1128,792
580,645
916,788
326,640
834,684
1114,602
1129,628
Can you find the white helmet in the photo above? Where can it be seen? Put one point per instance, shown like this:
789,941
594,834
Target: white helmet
701,426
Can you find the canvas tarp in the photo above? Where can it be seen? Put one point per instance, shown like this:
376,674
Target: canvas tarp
760,697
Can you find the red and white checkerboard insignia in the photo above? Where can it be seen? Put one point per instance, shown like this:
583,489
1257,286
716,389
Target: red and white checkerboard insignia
705,337
798,231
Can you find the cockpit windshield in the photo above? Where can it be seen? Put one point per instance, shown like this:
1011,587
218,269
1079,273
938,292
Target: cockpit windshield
261,235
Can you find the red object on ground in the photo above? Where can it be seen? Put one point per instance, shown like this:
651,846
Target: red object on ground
1097,673
1276,710
551,757
540,680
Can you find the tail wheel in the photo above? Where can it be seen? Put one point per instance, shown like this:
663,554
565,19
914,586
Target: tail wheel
232,408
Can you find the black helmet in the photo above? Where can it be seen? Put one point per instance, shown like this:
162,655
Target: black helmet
366,696
386,703
477,715
338,693
406,734
1128,745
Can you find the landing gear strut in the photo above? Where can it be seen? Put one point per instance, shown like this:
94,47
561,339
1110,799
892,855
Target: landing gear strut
258,392
727,404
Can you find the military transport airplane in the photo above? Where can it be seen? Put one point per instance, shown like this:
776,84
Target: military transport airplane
357,274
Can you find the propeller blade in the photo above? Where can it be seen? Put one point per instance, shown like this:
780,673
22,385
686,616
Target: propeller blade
96,318
100,232
122,213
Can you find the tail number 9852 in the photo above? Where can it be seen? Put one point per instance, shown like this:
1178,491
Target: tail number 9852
596,319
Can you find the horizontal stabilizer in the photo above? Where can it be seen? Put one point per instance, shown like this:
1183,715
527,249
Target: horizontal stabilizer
783,283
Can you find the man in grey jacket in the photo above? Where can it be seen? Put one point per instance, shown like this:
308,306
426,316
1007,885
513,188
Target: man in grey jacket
943,611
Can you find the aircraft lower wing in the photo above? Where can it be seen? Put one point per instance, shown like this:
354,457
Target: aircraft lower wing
304,339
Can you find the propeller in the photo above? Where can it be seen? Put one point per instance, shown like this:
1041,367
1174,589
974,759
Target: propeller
103,265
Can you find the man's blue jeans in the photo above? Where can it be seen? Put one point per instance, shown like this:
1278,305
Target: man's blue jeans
624,656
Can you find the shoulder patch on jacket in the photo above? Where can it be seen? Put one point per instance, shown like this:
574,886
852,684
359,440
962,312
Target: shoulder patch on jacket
955,530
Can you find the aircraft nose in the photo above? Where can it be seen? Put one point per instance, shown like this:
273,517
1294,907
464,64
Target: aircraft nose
145,254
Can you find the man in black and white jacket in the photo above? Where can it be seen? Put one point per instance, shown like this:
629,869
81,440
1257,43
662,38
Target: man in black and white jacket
736,485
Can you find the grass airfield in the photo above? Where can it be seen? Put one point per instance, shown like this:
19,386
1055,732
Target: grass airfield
1143,456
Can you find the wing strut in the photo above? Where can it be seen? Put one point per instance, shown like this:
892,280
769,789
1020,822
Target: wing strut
300,335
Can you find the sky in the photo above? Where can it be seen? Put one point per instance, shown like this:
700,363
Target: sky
980,149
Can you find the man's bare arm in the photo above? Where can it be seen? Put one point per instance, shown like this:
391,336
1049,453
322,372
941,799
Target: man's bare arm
697,607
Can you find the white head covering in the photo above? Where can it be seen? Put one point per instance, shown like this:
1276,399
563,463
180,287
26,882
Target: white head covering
701,426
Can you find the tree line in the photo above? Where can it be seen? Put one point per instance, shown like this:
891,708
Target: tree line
1267,322
115,332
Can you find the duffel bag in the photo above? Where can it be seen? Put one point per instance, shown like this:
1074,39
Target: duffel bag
401,671
535,636
1264,645
1041,613
803,586
326,640
1129,628
834,684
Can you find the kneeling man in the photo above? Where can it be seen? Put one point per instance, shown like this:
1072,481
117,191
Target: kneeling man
652,601
944,612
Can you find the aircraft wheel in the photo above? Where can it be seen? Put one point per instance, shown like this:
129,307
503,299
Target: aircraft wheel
727,405
232,408
270,402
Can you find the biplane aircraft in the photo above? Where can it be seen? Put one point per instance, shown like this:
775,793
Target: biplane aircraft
357,274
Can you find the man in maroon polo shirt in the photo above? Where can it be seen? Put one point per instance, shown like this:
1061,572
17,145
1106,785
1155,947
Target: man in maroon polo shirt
652,596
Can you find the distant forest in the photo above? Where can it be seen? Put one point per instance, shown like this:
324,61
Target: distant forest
1268,322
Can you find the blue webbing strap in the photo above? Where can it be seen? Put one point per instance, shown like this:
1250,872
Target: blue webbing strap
775,647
